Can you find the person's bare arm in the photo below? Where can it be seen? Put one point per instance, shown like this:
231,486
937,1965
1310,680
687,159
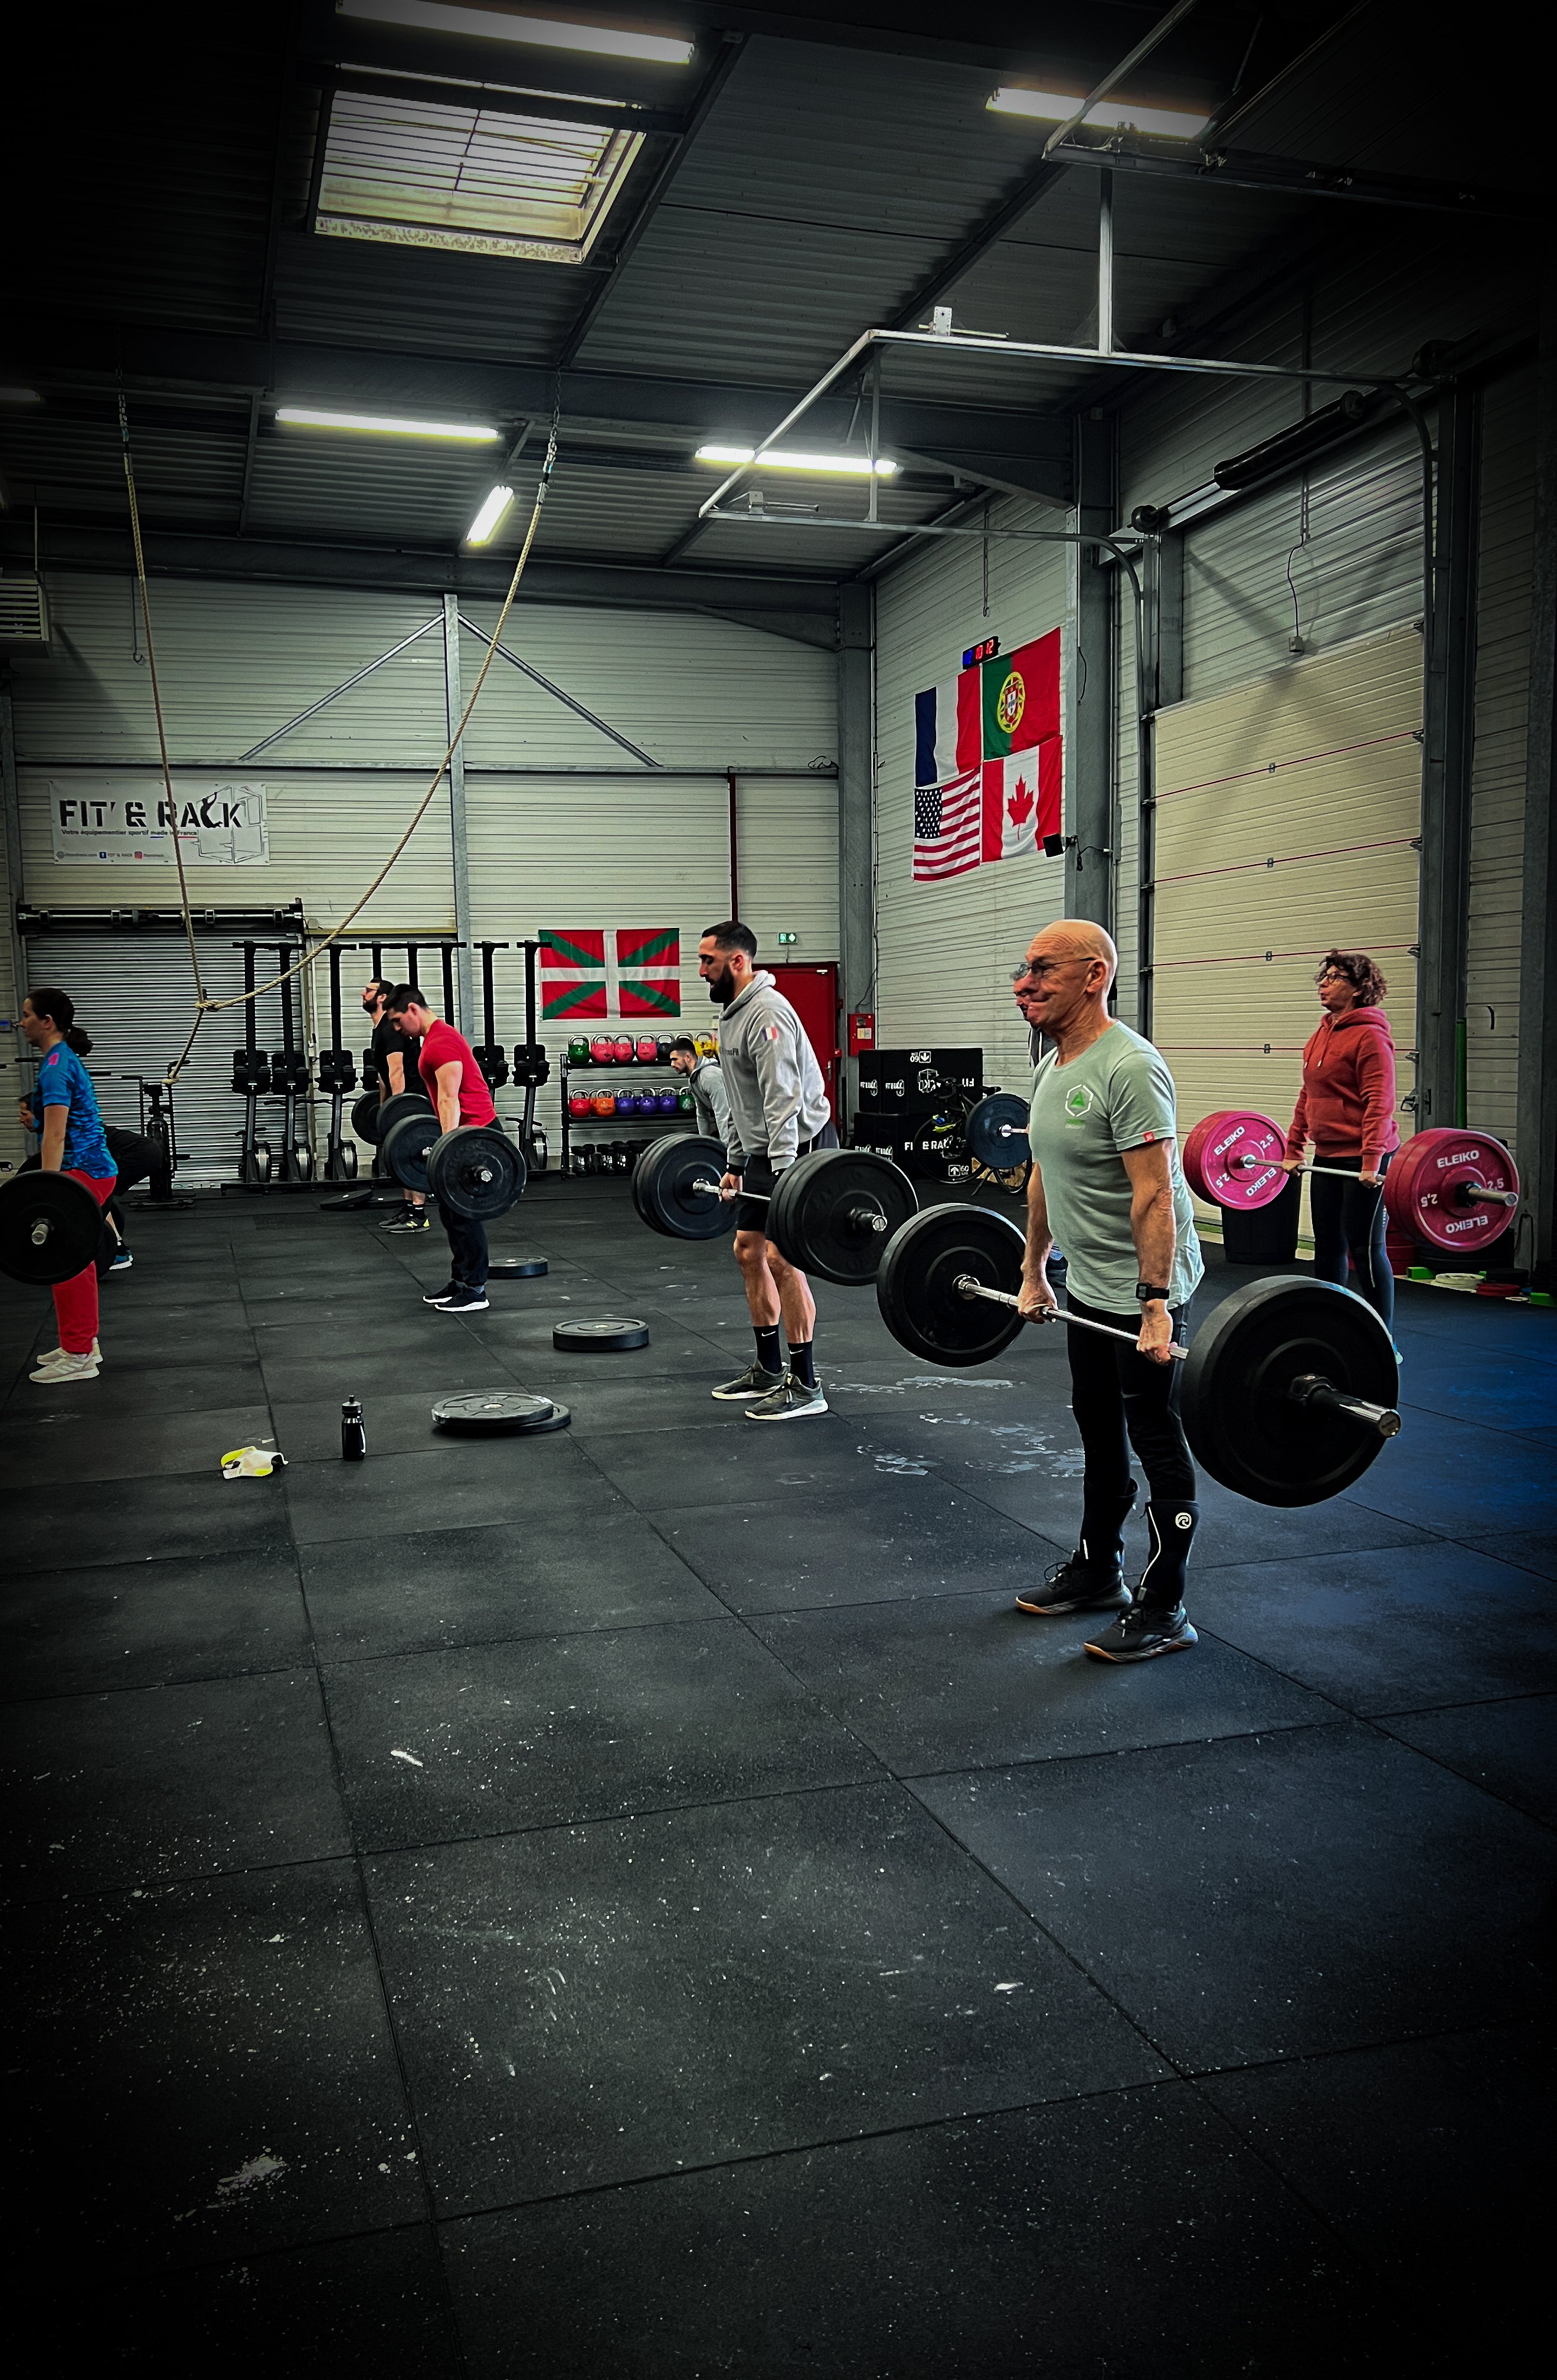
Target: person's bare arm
1036,1295
51,1147
449,1080
1155,1235
395,1067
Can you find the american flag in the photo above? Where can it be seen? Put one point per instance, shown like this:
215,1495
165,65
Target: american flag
948,828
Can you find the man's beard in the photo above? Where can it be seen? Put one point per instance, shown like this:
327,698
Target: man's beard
721,986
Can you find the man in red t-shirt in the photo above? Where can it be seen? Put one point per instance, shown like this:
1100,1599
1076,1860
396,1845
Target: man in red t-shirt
454,1084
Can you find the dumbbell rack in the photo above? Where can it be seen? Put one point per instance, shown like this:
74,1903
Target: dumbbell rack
623,1071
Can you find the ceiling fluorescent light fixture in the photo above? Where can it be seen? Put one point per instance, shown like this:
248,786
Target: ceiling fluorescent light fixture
1110,114
856,467
542,32
387,425
19,396
485,525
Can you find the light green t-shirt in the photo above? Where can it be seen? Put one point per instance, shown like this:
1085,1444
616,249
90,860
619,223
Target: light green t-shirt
1118,1094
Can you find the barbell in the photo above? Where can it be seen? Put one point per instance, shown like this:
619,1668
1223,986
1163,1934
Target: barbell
50,1225
1289,1386
830,1213
474,1171
1453,1189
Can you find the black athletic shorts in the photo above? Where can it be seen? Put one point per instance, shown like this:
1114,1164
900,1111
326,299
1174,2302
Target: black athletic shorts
758,1176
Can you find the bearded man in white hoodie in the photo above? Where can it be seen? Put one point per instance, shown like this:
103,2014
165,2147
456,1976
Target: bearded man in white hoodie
778,1111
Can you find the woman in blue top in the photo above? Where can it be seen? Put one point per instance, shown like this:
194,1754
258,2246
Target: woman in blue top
63,1111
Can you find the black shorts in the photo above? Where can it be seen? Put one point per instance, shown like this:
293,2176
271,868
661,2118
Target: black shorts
758,1176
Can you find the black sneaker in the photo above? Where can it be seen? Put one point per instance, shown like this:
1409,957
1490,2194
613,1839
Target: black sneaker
1075,1585
463,1300
1141,1632
415,1218
753,1382
442,1296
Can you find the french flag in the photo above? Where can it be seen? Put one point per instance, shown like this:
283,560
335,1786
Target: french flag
948,730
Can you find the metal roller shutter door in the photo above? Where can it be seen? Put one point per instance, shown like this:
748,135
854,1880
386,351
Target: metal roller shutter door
1288,818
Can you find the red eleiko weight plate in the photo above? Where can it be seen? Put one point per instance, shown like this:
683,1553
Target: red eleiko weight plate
1232,1158
1431,1188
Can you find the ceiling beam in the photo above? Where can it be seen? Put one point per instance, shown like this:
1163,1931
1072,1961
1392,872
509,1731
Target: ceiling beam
1298,177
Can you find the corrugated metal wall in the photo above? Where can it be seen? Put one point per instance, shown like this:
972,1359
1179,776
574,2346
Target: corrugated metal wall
1497,831
944,951
589,846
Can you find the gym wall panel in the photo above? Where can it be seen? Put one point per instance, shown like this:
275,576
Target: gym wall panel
1288,813
1498,768
14,1074
945,950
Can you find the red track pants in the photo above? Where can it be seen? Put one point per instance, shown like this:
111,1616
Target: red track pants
76,1299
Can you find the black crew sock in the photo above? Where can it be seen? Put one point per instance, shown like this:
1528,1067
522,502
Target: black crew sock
1102,1530
767,1336
802,1361
1172,1528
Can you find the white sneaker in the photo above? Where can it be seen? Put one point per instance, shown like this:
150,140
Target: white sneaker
69,1368
57,1356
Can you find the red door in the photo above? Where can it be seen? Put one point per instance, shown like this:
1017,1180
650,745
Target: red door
812,992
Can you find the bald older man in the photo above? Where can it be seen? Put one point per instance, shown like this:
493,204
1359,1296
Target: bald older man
1106,1181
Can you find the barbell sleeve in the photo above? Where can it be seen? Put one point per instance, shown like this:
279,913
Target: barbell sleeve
967,1286
868,1218
1313,1389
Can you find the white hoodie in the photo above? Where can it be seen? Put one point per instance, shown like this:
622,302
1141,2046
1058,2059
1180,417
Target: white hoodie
777,1096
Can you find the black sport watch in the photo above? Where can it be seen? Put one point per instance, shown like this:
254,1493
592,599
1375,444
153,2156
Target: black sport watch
1146,1292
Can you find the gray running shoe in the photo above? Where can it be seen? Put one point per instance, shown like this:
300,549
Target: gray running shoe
791,1400
753,1382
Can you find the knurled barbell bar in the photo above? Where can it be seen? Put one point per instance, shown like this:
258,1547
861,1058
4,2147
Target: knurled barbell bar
1288,1389
1451,1188
830,1213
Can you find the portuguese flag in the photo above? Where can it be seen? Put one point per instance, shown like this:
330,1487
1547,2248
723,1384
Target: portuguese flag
1019,697
573,975
649,970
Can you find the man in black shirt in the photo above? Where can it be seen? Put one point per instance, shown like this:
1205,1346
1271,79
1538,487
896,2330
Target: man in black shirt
395,1055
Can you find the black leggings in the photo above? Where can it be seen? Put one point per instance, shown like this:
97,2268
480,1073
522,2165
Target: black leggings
1121,1400
1349,1219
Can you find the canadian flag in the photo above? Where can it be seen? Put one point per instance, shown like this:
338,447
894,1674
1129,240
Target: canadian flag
1022,799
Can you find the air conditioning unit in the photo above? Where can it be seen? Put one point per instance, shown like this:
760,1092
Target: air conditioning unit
24,612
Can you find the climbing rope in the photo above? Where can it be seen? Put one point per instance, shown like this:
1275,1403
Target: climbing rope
204,1005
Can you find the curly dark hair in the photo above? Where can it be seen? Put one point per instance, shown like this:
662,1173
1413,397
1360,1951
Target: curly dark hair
1361,972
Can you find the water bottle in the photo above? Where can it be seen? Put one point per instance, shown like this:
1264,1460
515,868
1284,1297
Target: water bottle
354,1438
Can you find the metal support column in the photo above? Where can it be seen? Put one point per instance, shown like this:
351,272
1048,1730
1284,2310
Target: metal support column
1538,949
459,845
1448,730
856,745
1092,856
15,888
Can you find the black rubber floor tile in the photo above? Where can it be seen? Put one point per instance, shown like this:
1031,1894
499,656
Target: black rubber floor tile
131,1381
188,1334
45,1451
150,1623
128,1789
794,1461
966,1681
1275,1897
440,1587
455,1484
379,2305
204,2071
882,1541
1533,1550
1390,1631
435,1369
1498,1392
433,1746
1382,2143
149,1520
418,1335
1442,1478
730,1982
1509,1749
989,2247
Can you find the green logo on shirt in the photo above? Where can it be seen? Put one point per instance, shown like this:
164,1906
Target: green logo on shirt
1077,1102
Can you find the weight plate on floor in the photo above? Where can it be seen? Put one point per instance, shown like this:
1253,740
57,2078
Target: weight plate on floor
996,1131
833,1210
1244,1428
407,1143
50,1226
1431,1189
475,1172
515,1268
483,1413
608,1337
665,1190
365,1117
1233,1159
916,1291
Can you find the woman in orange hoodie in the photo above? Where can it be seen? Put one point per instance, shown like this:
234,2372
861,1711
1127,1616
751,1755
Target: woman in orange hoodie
1346,1109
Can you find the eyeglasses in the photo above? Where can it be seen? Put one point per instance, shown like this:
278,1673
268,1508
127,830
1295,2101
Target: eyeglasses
1038,968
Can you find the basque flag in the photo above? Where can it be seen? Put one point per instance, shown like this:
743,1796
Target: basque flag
573,975
649,970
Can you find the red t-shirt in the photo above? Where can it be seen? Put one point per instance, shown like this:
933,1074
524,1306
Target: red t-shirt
444,1047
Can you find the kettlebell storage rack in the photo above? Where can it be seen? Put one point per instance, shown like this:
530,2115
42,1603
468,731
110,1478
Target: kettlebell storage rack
599,1072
